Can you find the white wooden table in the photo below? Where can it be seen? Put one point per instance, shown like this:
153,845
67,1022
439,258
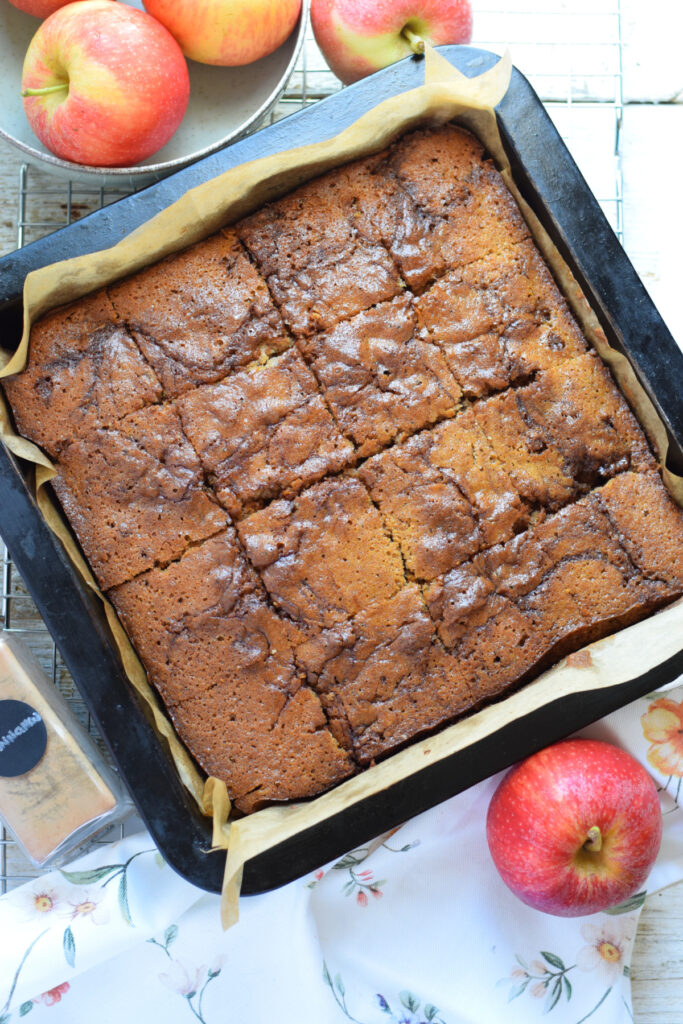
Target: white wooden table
612,73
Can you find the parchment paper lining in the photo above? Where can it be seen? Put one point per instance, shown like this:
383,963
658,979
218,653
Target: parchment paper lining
447,95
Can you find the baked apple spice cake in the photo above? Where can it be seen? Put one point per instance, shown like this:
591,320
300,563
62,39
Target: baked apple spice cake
348,469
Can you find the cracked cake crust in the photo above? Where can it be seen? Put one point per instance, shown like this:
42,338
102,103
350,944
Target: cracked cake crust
134,494
248,713
379,380
263,433
83,372
199,314
324,555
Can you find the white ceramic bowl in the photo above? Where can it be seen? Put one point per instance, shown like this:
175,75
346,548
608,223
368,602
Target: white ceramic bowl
224,104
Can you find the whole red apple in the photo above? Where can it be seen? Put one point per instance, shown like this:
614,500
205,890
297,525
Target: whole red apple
104,84
358,37
227,32
39,8
575,828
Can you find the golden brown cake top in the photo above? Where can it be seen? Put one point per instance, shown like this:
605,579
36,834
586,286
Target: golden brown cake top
319,269
224,665
427,514
383,677
200,313
84,372
379,379
134,494
263,433
324,555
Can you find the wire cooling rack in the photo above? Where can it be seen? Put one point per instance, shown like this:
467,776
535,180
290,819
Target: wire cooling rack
581,83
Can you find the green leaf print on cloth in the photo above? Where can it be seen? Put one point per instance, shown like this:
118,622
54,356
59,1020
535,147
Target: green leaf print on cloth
408,1009
608,945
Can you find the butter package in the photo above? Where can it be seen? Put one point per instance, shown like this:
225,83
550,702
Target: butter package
55,788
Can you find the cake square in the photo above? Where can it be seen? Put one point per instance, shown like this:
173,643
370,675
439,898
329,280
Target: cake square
493,642
461,451
379,380
589,569
319,268
382,212
263,433
84,371
565,433
134,494
574,575
323,556
563,583
493,614
242,709
433,200
426,513
498,320
648,524
539,571
503,652
200,313
490,294
193,596
587,419
438,167
383,678
538,470
274,747
462,197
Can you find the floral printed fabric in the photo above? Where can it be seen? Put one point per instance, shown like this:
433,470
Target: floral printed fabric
415,927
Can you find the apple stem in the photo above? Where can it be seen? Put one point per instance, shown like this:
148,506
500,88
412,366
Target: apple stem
46,90
417,43
594,840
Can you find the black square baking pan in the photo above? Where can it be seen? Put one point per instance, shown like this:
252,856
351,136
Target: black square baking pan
553,186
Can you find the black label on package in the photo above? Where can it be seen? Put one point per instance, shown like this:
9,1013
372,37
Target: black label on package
23,738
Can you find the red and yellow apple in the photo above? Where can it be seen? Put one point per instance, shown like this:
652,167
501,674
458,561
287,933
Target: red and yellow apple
358,37
227,32
39,8
575,828
104,84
